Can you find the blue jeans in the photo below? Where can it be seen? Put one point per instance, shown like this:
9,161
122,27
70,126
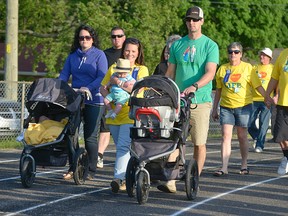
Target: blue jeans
92,115
259,110
122,140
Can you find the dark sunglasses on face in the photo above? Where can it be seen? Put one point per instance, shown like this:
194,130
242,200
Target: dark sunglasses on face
192,19
88,38
118,36
234,51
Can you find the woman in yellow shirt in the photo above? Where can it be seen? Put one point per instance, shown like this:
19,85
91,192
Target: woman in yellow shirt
280,78
233,85
120,126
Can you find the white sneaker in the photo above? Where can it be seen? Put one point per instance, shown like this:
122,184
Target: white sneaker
100,163
109,113
258,149
283,167
254,144
113,115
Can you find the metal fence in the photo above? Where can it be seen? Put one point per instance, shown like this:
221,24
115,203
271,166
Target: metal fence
12,108
13,111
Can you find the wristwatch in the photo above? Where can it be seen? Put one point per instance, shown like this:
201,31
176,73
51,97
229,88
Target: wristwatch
195,85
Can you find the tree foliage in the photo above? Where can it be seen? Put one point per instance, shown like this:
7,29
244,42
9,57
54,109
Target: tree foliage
46,27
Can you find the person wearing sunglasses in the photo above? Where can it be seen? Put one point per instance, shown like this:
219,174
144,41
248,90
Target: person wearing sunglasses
120,126
234,81
87,65
263,71
192,64
113,54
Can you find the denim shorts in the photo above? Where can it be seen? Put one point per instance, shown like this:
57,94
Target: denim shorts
236,116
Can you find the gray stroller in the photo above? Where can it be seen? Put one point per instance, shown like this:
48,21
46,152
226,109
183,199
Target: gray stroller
161,125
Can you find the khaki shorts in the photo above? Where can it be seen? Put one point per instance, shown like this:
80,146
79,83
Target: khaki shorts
199,121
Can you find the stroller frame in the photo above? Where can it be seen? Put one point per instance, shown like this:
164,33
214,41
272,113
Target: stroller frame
53,95
150,146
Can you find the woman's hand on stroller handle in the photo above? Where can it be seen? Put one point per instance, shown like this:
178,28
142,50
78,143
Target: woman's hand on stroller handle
85,91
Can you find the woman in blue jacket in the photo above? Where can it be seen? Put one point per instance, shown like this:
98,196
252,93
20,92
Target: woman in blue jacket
87,65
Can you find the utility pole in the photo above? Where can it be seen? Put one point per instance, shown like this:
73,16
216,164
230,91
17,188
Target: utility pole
11,52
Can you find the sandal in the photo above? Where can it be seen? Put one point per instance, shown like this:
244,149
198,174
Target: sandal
68,175
244,171
219,173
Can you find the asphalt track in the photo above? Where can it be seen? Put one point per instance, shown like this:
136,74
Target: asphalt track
262,192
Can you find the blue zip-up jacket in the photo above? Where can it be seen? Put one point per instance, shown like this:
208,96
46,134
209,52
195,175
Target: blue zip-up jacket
87,70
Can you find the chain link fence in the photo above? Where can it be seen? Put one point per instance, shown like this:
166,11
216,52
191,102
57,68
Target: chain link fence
13,111
12,108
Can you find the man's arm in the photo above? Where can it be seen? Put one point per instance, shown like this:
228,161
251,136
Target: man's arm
205,79
171,71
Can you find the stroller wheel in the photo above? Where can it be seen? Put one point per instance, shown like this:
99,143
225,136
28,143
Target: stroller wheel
80,168
130,176
27,171
192,180
142,188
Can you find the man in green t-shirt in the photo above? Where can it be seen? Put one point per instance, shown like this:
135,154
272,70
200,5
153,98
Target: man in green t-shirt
192,64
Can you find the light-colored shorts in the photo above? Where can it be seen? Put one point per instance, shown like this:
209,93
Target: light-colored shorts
199,120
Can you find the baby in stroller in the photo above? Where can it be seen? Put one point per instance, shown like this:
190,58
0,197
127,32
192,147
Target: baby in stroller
117,94
158,137
48,102
46,130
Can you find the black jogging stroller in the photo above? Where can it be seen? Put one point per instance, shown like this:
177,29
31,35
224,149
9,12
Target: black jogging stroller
55,99
161,126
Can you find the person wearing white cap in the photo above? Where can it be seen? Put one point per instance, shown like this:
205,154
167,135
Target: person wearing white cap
193,62
279,78
263,71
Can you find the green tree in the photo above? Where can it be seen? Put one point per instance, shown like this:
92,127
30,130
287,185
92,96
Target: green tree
46,27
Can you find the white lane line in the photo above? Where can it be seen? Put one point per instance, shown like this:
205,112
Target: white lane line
56,201
8,161
224,194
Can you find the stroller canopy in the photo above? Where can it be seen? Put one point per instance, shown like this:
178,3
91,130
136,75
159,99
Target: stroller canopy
166,85
53,91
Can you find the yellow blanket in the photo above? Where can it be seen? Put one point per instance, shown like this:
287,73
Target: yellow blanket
44,132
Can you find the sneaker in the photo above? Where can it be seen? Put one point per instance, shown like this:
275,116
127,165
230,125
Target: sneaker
168,187
90,177
100,163
122,186
283,167
118,185
258,149
113,115
254,144
108,115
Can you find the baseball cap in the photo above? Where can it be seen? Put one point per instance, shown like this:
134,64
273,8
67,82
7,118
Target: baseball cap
267,52
195,13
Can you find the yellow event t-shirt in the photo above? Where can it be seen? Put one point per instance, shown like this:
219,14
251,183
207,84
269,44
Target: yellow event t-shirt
280,73
123,116
264,74
236,83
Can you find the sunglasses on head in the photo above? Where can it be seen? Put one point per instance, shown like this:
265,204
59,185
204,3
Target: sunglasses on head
88,38
117,36
192,19
234,51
